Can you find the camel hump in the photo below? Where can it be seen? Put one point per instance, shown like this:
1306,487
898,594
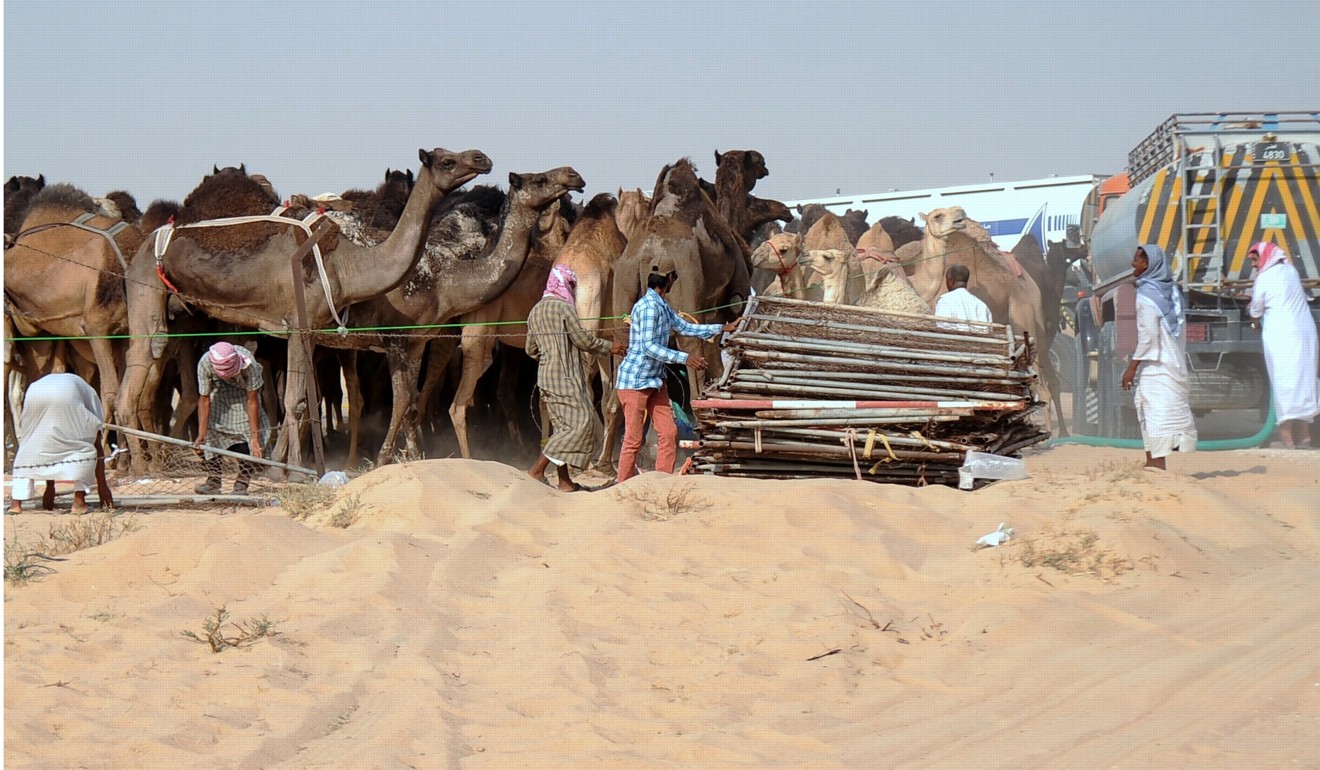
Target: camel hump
1010,261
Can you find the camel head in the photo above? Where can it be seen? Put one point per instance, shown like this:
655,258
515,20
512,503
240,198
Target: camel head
779,253
942,223
632,211
750,162
24,184
398,178
835,268
127,205
541,190
450,170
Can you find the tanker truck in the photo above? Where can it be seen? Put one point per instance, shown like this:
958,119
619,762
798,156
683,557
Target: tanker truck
1204,187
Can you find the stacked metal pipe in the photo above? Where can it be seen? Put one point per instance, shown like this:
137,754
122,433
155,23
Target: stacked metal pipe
815,390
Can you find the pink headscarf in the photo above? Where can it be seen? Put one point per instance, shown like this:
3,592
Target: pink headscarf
227,360
562,283
1270,255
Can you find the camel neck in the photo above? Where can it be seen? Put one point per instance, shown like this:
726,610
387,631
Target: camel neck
472,283
382,267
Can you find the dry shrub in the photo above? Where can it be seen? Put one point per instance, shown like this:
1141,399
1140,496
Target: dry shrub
244,634
680,498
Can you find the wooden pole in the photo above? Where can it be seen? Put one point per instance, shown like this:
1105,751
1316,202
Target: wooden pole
302,337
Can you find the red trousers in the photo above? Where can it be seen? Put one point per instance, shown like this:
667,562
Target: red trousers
638,405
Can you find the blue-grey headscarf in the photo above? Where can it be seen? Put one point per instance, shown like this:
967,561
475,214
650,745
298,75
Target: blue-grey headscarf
1156,285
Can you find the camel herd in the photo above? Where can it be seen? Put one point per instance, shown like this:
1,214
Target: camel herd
418,268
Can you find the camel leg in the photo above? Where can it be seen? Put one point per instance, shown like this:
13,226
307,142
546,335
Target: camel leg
437,369
404,369
289,448
186,409
353,386
611,417
511,361
477,347
104,356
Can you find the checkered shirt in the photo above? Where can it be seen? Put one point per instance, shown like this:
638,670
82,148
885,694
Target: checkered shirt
653,320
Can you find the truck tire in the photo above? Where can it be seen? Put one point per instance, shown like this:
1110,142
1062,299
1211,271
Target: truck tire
1118,417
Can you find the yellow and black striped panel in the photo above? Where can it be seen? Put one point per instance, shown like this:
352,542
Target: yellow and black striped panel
1249,190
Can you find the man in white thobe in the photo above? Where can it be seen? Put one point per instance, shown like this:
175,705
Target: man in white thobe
1289,336
958,302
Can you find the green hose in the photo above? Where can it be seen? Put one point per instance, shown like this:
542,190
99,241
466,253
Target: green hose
1220,445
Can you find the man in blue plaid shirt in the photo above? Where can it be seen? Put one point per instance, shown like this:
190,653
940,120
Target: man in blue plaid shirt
641,379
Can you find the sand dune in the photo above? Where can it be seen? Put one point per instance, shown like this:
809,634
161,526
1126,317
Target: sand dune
471,618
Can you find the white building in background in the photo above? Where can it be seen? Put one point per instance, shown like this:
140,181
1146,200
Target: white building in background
1009,210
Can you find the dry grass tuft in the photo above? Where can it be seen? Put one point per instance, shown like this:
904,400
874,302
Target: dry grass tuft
302,500
80,531
1074,552
681,498
347,513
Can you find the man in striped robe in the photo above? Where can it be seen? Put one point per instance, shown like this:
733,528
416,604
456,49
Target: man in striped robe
556,339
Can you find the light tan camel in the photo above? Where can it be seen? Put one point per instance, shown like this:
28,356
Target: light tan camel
247,281
845,282
1013,299
445,285
593,249
634,208
779,254
62,280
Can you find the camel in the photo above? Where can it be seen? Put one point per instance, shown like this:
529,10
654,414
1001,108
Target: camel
845,282
779,254
241,274
633,209
63,280
499,321
1012,299
713,270
736,173
854,224
827,232
19,191
443,285
594,247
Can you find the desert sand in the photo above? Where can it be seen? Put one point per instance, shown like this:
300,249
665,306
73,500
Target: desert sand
472,618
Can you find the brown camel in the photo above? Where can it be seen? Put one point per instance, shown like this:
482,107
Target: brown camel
241,274
714,274
64,280
500,321
1012,299
444,285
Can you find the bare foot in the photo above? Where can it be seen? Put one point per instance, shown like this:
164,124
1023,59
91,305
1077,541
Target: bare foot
15,508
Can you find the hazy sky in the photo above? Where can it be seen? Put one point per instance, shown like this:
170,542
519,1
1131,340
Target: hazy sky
859,97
